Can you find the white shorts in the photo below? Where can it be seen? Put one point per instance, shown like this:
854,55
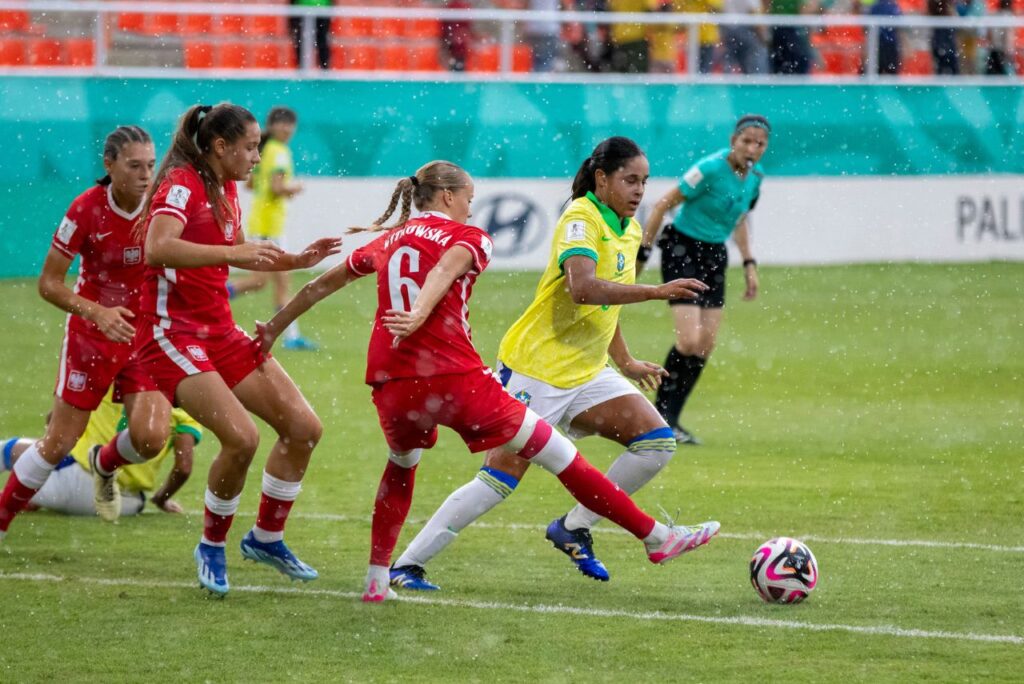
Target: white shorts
69,490
558,406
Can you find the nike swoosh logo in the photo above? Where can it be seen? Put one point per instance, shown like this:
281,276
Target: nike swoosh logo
605,239
100,236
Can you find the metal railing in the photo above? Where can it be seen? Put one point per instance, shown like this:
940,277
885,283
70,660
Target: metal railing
507,22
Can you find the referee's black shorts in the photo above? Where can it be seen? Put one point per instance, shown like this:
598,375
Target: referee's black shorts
685,257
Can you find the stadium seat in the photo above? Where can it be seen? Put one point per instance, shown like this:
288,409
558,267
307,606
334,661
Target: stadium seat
384,29
267,56
131,22
844,35
15,21
484,58
337,56
269,26
44,52
198,55
423,28
361,57
81,52
355,27
522,58
232,56
13,52
425,58
229,25
161,24
917,63
197,25
394,57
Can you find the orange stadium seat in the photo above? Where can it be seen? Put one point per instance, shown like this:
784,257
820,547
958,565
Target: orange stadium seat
355,27
161,24
14,20
423,28
917,63
132,22
197,25
269,55
81,52
229,24
425,58
388,28
45,52
337,56
198,55
844,35
394,58
232,56
522,58
484,58
12,52
269,26
361,57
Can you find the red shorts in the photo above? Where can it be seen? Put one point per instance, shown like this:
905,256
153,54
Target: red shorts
162,359
473,404
89,362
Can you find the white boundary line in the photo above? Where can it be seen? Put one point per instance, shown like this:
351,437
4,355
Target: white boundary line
738,621
748,536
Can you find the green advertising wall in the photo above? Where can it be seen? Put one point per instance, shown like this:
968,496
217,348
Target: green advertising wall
53,129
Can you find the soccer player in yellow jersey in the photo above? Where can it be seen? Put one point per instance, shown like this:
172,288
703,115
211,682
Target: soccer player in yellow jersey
273,182
554,359
70,490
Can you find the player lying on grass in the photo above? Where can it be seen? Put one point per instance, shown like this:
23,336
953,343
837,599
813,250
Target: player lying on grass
425,371
70,488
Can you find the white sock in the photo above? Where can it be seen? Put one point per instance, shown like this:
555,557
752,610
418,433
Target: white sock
657,537
466,504
647,456
31,469
221,507
378,575
282,490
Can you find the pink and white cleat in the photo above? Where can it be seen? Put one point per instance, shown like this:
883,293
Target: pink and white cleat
378,585
682,539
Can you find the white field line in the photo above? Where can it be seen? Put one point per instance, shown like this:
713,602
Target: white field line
657,616
747,536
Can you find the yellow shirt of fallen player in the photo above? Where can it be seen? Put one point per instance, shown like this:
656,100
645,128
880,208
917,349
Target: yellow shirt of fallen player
107,420
266,216
556,340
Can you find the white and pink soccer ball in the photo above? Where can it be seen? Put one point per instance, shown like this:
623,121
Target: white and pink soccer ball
783,570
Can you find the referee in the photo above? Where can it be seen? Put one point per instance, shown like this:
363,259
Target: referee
716,194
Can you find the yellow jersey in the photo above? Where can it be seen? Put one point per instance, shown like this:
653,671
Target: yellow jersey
266,217
556,340
107,420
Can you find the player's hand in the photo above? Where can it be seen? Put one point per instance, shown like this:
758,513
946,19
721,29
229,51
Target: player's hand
113,322
750,274
265,337
401,324
317,252
644,373
681,288
295,189
169,506
254,254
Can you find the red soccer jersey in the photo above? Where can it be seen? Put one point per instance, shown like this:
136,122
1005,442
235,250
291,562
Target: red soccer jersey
111,269
402,258
193,300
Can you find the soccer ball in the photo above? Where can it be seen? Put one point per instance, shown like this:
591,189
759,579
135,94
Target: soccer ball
783,570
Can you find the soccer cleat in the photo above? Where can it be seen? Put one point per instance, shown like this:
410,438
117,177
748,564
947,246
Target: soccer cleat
377,589
277,555
682,539
684,436
412,577
300,344
579,546
106,494
212,568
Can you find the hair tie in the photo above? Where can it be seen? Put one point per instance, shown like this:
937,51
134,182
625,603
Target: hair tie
753,121
415,181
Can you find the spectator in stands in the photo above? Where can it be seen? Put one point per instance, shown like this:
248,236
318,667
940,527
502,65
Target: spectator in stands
888,36
589,48
545,37
746,48
944,53
998,62
791,48
709,52
967,38
457,37
630,49
664,41
322,32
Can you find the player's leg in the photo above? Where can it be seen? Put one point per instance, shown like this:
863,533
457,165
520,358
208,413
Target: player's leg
34,465
269,393
254,282
207,398
69,490
11,450
293,339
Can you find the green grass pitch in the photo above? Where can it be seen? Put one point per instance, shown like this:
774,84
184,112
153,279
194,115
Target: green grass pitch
846,405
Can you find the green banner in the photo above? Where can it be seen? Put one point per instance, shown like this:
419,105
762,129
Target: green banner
54,128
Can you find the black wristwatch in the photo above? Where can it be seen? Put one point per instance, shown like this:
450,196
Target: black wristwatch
750,262
643,254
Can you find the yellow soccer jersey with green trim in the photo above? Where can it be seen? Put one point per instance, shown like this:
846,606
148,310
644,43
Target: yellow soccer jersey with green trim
556,340
107,420
266,217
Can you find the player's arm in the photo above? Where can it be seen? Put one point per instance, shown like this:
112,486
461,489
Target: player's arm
586,288
282,188
184,448
164,247
112,321
316,252
741,236
671,199
325,284
453,264
646,374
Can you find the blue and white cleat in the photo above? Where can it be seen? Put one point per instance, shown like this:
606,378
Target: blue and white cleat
579,546
212,569
300,344
412,577
277,555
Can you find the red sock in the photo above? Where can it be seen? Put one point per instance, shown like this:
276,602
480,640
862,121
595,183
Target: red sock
591,488
13,500
394,496
215,527
110,459
273,514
